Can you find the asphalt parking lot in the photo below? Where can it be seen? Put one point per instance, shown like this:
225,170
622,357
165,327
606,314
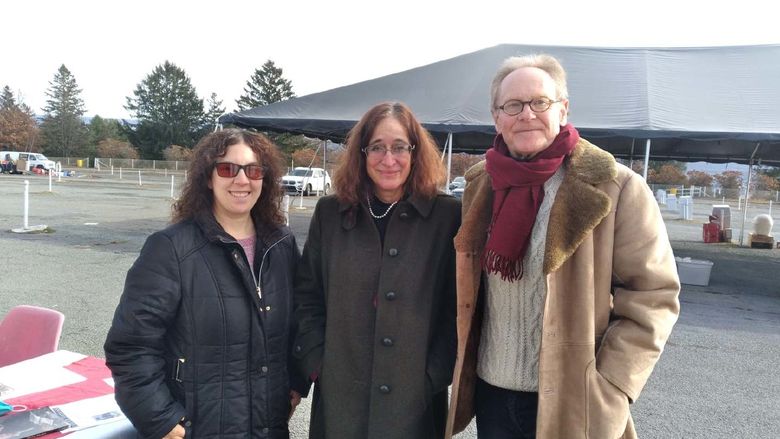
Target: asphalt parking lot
718,377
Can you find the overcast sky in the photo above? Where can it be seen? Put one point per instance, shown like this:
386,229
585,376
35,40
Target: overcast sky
321,45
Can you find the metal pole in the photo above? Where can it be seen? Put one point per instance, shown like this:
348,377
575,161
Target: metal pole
647,159
747,194
26,203
50,179
448,147
139,178
171,186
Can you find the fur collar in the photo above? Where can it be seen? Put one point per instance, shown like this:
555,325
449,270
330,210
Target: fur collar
578,208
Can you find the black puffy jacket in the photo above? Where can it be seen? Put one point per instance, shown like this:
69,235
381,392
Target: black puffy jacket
192,337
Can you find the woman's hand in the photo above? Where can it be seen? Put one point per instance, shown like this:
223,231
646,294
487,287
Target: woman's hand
295,399
177,433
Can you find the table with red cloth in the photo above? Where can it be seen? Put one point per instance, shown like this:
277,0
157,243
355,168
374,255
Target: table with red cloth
93,375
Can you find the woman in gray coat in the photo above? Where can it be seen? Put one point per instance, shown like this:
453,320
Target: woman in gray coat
374,293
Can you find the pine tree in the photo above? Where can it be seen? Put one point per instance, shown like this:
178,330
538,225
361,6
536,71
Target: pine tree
266,86
168,110
18,130
215,109
7,100
62,128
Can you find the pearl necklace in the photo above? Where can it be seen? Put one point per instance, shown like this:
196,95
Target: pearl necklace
371,211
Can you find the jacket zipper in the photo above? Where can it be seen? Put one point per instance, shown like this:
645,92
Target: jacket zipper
260,271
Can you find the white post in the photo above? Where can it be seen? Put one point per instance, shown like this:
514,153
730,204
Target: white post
154,164
770,207
139,178
171,186
185,175
50,171
112,169
59,171
111,163
97,164
286,208
26,203
120,172
132,162
739,202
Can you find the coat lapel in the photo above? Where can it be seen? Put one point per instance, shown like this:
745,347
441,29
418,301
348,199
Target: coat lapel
579,206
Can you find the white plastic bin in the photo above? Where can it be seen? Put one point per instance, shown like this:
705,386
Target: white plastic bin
694,271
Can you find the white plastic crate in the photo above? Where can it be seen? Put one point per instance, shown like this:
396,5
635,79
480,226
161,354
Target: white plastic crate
694,271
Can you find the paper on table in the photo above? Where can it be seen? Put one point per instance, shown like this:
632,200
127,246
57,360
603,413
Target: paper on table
39,374
121,429
91,412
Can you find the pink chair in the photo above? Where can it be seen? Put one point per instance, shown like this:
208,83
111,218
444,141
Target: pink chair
29,331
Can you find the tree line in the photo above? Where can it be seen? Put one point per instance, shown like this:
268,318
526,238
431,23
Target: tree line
168,117
765,178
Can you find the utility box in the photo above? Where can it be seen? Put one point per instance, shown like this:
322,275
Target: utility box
694,271
723,212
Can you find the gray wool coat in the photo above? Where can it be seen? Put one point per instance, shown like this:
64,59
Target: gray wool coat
377,322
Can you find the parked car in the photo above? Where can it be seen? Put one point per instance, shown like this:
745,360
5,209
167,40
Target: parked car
458,182
458,192
307,180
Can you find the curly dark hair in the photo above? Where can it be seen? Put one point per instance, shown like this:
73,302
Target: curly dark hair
351,179
197,198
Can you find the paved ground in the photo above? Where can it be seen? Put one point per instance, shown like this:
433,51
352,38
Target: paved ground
717,379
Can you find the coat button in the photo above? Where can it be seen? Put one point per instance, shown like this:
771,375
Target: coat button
188,423
264,369
387,341
390,295
298,348
392,252
384,388
265,430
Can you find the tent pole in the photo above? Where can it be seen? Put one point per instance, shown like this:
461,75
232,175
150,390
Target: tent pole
631,155
747,194
448,151
647,158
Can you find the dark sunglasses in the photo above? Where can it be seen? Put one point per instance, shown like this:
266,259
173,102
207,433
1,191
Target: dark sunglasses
230,170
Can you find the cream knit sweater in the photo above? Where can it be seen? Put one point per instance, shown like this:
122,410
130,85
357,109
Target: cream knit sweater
512,324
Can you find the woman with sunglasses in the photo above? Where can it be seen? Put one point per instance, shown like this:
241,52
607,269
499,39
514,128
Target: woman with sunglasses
200,340
375,290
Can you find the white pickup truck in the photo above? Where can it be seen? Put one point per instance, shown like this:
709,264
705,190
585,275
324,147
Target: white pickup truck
307,180
31,160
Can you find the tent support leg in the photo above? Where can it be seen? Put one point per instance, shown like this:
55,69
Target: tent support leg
448,151
747,194
647,158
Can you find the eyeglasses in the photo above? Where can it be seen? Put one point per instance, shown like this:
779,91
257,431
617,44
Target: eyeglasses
515,107
378,151
230,170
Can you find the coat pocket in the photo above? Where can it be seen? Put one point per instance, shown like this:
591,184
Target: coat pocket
606,406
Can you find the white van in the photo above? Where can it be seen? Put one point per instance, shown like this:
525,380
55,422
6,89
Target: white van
33,159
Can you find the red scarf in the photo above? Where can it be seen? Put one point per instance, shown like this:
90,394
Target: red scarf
518,190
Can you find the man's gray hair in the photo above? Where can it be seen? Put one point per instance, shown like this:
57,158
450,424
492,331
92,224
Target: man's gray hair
542,61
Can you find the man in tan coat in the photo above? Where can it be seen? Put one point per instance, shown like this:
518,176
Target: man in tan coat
567,286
